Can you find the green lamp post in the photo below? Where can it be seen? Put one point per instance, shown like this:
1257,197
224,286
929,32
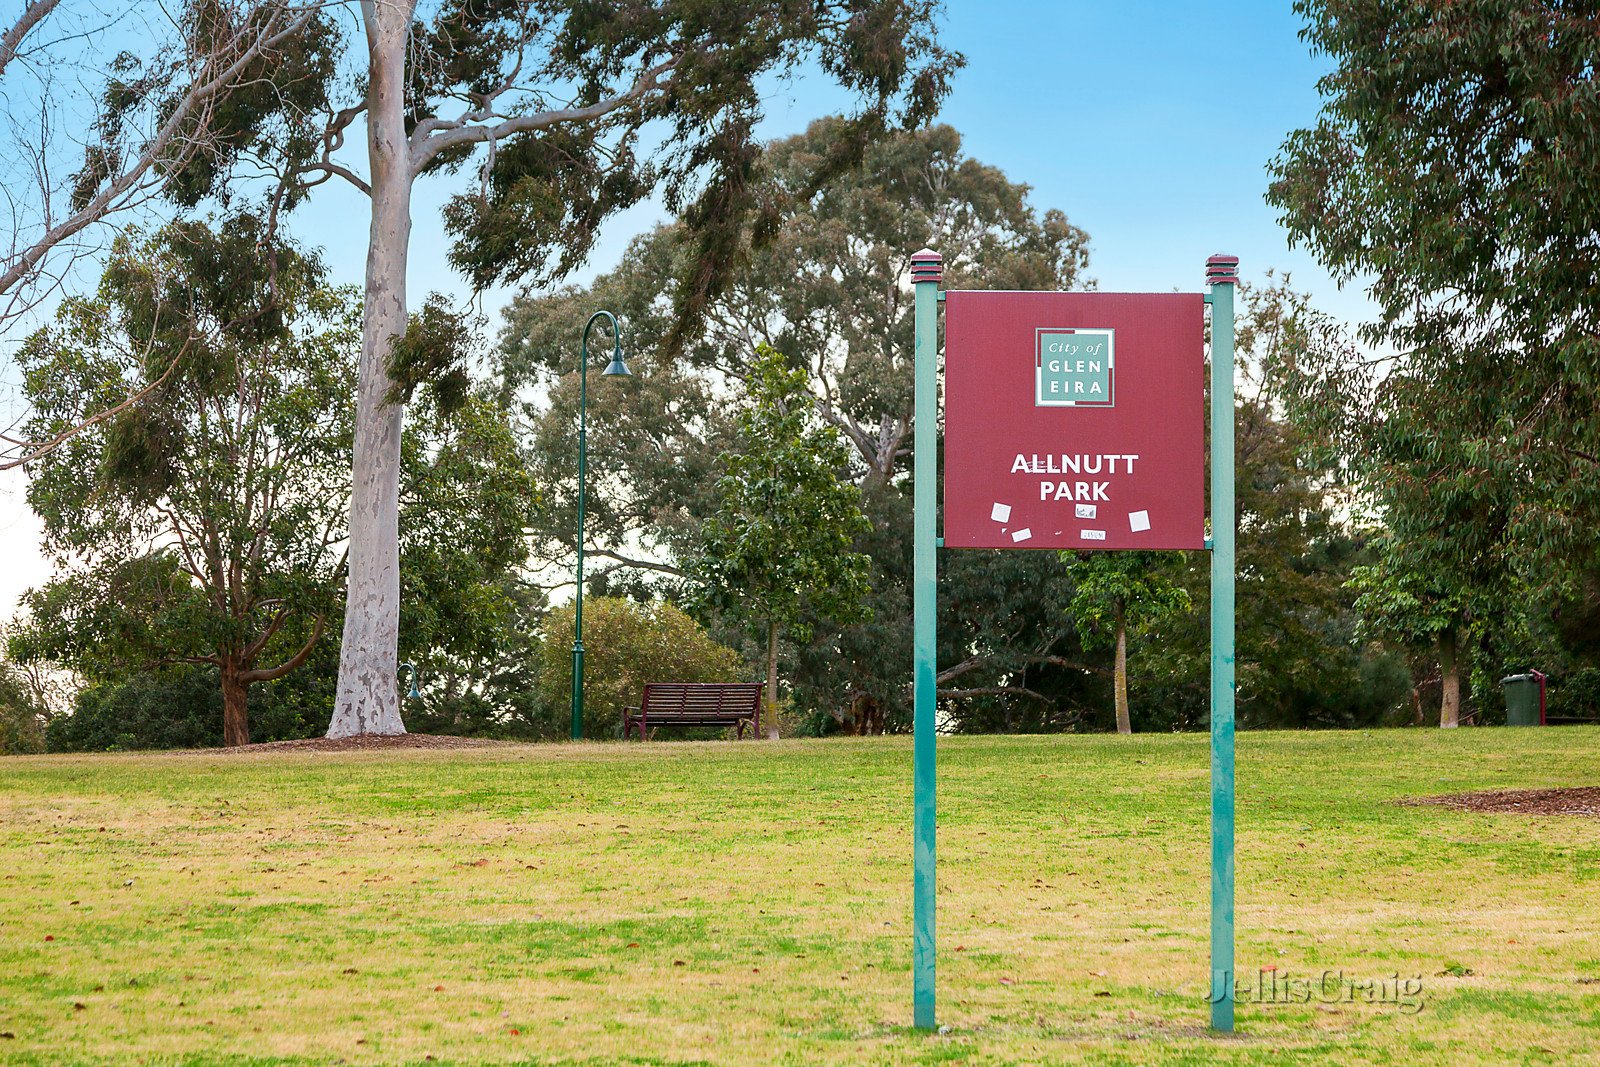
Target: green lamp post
615,369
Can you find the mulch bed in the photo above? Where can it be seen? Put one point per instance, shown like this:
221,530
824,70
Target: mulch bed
362,744
1583,800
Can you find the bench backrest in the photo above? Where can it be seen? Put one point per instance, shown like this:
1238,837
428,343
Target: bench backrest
701,698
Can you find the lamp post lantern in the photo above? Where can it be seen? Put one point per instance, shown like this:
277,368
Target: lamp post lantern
615,369
415,693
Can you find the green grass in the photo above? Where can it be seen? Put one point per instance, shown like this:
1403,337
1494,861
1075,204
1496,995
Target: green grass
750,903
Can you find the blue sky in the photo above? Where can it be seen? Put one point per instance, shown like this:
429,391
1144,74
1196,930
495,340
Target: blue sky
1150,124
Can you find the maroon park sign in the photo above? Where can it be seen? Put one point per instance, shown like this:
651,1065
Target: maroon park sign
1074,420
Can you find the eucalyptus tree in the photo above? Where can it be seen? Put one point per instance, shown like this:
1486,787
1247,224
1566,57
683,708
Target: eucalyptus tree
1303,659
1417,608
580,111
208,524
1453,168
113,105
203,526
1117,592
570,113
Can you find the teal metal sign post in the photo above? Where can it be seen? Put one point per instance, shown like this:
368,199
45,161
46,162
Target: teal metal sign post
1221,274
927,268
1074,368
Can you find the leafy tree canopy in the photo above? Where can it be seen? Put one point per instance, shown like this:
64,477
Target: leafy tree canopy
779,551
1454,168
204,523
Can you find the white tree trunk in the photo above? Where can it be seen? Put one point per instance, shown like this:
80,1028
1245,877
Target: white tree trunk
368,699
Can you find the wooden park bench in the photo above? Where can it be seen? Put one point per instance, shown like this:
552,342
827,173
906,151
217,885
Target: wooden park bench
736,704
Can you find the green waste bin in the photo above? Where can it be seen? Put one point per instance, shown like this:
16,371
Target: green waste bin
1523,699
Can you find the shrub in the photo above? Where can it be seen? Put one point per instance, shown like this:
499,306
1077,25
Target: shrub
182,708
626,644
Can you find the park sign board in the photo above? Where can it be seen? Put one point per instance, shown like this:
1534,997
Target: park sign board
1074,420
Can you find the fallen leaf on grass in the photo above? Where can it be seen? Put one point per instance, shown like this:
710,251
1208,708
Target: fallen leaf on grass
679,963
1008,981
438,989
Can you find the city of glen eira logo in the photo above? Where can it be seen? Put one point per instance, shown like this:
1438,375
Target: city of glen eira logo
1074,368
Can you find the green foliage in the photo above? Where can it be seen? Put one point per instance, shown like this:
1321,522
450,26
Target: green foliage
198,524
1575,695
240,110
626,644
1452,168
827,287
182,708
204,523
779,550
545,194
261,115
23,716
433,351
1116,589
477,652
1403,604
1301,661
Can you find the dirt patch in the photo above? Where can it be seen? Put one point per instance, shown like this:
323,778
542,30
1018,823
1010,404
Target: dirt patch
1583,800
360,744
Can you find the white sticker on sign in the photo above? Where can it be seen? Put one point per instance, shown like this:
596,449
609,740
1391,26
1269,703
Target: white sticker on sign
1022,534
1000,513
1092,535
1139,520
1086,511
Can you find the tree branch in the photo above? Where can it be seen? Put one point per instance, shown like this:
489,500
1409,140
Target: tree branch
996,690
212,83
271,674
665,568
434,135
31,16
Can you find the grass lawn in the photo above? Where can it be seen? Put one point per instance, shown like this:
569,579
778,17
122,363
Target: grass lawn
750,903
